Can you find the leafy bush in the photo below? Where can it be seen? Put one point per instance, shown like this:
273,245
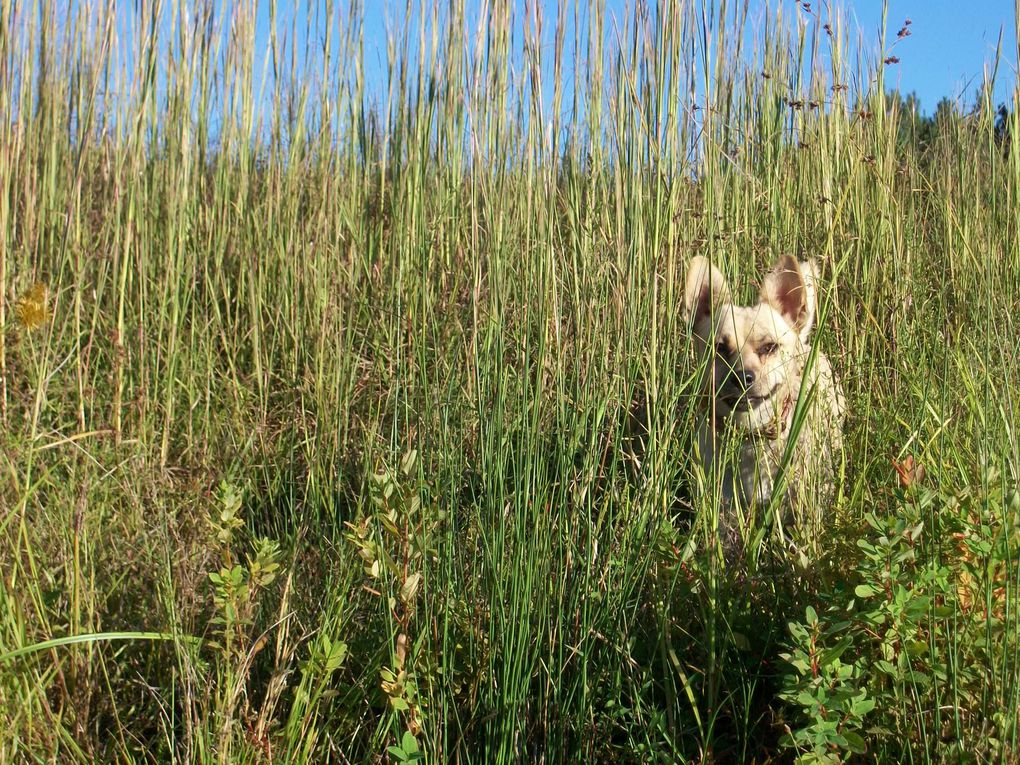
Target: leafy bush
921,636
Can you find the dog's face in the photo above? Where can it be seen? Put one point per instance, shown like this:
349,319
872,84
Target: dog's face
754,354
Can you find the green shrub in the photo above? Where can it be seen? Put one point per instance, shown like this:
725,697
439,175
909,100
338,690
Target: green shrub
920,638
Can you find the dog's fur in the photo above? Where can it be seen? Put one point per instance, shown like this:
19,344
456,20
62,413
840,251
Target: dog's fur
758,365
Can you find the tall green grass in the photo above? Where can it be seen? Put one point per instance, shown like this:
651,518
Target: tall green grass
316,442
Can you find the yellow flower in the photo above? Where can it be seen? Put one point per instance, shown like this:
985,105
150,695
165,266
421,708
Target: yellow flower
32,309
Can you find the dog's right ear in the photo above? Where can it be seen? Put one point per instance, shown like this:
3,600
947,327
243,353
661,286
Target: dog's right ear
706,289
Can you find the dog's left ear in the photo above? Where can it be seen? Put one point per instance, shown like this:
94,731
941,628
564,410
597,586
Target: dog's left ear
790,288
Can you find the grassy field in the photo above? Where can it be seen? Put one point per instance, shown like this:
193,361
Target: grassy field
315,442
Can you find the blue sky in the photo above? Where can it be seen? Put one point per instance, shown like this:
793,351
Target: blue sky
949,46
950,43
945,54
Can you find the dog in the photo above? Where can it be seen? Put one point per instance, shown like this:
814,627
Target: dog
760,372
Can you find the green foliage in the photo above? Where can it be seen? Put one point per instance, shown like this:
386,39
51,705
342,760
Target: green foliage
913,631
394,542
408,750
236,586
827,690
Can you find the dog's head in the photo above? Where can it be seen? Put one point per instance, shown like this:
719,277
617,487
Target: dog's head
755,354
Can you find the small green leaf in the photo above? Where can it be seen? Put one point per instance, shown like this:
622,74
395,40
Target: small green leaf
863,706
408,742
389,525
806,700
410,587
407,463
854,742
335,656
811,616
916,648
830,655
884,666
398,704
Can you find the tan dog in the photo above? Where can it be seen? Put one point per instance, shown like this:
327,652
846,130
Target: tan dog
759,366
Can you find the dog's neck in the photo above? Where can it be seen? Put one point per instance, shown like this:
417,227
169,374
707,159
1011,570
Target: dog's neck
781,423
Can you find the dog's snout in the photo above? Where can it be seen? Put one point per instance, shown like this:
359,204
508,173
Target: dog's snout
742,378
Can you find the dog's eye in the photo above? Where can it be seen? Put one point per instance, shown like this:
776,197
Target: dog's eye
768,349
722,348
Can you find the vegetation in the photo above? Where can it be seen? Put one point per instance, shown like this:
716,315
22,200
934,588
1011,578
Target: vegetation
316,439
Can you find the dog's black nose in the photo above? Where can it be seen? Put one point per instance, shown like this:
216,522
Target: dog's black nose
743,378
